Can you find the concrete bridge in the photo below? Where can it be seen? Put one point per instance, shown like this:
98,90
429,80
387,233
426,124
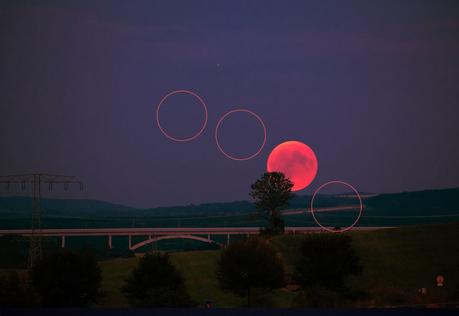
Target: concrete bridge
152,235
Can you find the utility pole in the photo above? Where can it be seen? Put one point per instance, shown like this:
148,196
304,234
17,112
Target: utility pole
36,179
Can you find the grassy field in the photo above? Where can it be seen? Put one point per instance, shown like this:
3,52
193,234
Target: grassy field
397,262
199,270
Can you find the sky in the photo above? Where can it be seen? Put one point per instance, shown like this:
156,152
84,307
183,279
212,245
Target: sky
371,86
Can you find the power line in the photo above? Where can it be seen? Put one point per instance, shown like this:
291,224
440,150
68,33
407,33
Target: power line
36,179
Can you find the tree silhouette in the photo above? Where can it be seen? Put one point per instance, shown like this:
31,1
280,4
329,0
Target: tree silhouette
250,264
16,247
16,292
67,279
271,193
326,261
155,282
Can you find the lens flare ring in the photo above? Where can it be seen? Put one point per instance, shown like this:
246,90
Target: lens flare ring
240,158
176,139
358,196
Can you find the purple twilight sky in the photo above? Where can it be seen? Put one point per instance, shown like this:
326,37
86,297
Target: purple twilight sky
371,86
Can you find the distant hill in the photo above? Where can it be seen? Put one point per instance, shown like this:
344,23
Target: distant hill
431,202
21,206
406,203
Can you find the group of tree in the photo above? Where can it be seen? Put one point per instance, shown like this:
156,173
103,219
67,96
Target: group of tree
61,279
325,263
73,279
325,260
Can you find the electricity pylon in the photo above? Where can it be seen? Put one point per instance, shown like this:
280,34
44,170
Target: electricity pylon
36,179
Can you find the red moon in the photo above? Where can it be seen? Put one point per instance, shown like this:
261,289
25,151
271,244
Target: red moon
296,160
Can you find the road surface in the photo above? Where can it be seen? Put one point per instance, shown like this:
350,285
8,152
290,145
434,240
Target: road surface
144,231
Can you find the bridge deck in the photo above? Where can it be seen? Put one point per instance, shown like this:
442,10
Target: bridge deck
143,231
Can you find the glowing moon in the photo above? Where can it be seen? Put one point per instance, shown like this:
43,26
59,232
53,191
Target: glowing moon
296,160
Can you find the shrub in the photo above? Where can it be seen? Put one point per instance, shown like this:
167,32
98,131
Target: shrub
17,249
326,261
155,282
67,279
245,265
16,292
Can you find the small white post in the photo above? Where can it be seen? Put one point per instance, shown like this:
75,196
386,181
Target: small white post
130,242
63,241
110,242
227,239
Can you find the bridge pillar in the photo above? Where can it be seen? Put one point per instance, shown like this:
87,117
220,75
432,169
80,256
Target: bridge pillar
110,242
227,239
208,236
63,241
130,242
